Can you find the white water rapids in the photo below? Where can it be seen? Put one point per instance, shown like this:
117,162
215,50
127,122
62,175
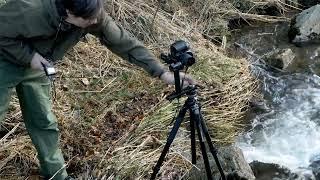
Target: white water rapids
288,134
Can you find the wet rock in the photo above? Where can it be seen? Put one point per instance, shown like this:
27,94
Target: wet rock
315,166
305,27
308,3
304,4
280,59
233,163
267,171
315,54
258,106
264,171
315,63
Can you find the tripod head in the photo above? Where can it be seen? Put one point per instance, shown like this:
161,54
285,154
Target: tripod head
190,91
179,57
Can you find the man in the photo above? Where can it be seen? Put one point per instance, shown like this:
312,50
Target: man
35,31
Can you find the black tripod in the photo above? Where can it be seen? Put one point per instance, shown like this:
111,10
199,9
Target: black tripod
196,123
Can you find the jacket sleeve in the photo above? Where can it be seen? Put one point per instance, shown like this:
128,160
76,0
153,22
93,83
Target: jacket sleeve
119,41
16,26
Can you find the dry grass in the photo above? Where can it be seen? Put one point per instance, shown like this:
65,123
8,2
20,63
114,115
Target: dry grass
223,106
114,119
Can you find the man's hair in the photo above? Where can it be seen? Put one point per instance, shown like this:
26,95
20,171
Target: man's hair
83,8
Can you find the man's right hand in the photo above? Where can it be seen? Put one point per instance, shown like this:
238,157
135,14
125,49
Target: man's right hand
168,78
38,61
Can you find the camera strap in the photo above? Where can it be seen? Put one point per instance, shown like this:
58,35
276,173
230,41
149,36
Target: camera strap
178,100
53,86
50,54
182,80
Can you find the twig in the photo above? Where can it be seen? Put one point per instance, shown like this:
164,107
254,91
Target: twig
97,91
9,133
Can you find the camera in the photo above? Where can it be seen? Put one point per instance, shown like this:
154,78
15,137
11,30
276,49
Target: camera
180,55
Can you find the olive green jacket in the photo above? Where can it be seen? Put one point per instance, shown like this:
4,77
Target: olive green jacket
29,26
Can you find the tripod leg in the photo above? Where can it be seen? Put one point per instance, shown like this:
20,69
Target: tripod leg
203,148
193,139
170,139
213,150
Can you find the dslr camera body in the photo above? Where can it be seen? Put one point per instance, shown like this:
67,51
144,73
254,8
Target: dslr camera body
179,56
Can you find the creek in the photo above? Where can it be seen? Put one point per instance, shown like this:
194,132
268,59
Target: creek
285,130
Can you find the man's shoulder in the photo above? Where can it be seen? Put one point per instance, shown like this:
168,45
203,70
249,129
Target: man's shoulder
33,15
24,3
27,7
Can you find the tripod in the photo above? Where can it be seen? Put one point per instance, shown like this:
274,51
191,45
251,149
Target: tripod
196,123
179,57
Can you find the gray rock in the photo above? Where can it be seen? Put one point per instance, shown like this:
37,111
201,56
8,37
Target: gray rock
305,27
233,163
280,59
267,171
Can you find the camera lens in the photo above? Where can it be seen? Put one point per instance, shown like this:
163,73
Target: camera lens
187,59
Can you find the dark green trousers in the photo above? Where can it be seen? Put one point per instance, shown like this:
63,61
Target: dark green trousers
33,90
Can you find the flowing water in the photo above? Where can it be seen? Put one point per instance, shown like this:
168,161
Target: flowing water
286,133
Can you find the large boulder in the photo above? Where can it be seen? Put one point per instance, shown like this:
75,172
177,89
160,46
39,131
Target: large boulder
233,164
305,27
